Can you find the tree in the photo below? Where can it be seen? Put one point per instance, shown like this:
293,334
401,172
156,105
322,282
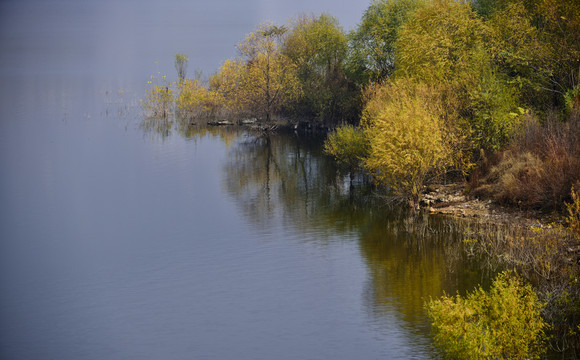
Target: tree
181,61
539,41
444,45
318,48
270,78
516,48
197,101
503,323
228,82
372,45
407,137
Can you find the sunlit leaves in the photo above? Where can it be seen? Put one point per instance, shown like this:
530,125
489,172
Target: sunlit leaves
407,139
196,100
227,82
348,145
502,323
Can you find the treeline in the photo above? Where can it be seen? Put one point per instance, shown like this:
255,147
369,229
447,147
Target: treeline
294,71
428,88
451,85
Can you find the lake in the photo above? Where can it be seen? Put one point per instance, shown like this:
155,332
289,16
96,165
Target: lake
118,243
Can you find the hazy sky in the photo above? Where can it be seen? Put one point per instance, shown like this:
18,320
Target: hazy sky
117,35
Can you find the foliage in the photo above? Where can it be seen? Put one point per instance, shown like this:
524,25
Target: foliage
543,47
573,210
372,45
270,79
228,82
318,48
444,45
196,100
501,323
348,145
559,22
158,98
542,253
407,140
181,61
444,35
572,99
518,51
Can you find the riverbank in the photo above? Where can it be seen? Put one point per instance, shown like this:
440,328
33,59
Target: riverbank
537,245
452,200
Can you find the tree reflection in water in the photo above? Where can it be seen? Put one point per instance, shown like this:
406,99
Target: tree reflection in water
409,257
285,178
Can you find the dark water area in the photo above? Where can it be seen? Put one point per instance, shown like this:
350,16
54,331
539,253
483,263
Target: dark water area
116,243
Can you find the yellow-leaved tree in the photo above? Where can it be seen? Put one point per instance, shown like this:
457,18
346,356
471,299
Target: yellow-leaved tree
406,136
197,101
228,82
270,77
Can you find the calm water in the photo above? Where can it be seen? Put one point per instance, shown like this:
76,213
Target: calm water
116,243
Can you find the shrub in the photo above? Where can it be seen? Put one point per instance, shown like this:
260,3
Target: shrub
548,255
348,145
573,209
158,98
501,323
540,166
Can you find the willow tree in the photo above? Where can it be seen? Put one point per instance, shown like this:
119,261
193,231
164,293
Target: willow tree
270,78
543,44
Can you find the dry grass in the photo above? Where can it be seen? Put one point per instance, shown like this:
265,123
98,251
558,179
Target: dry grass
539,168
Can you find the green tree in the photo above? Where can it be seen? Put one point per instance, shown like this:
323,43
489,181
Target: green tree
502,323
538,42
318,48
518,51
444,45
372,44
